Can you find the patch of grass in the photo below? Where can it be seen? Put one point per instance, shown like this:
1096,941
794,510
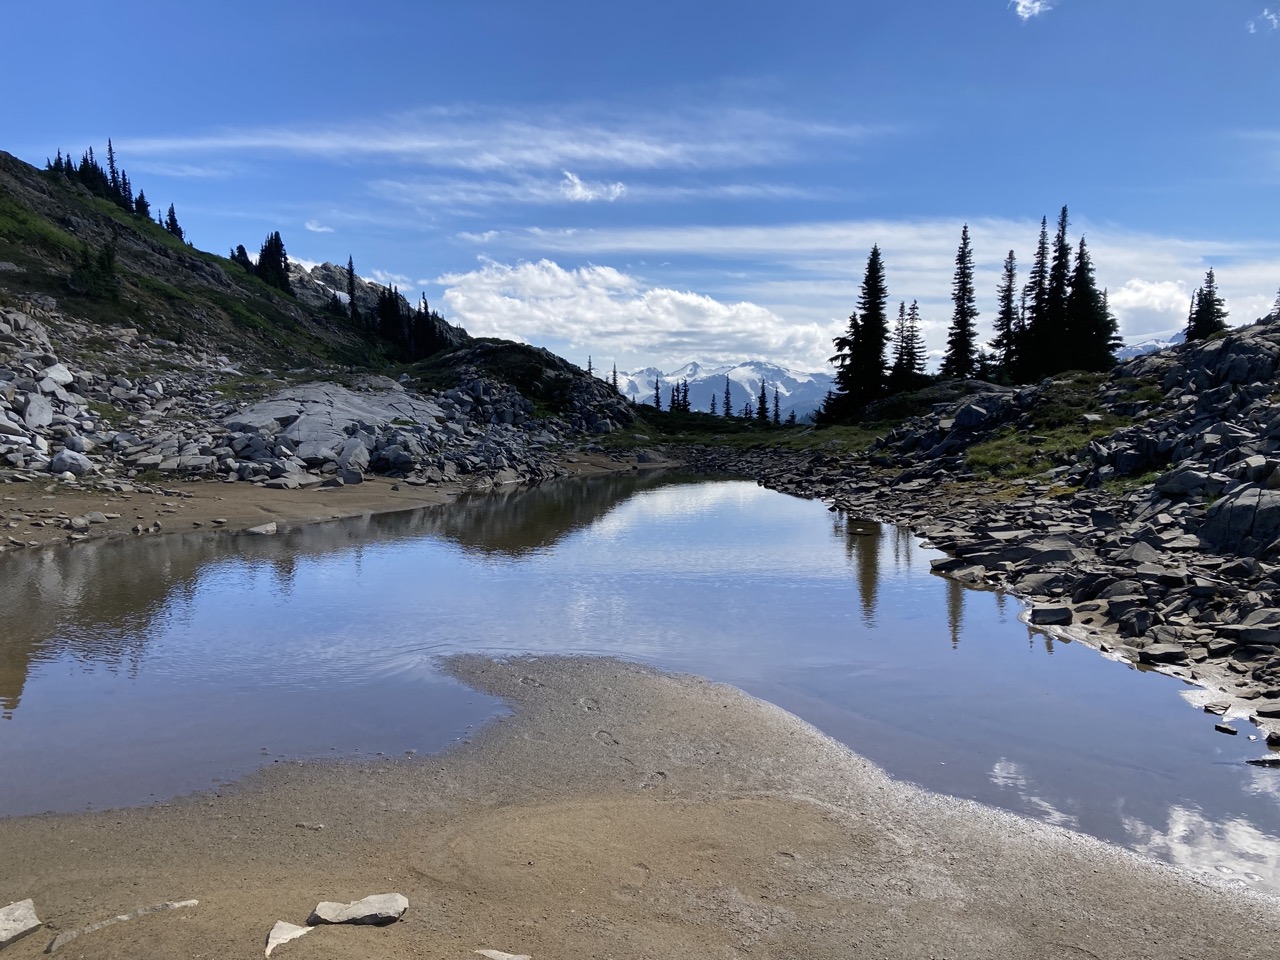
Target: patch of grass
107,413
1123,485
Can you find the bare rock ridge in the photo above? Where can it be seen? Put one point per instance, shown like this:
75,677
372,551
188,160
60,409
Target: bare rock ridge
1159,542
65,411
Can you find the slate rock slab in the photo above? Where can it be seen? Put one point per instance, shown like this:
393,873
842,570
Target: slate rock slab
283,932
379,909
1051,614
17,920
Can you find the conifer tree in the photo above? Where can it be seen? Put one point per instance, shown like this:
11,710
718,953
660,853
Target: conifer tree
351,290
728,398
1209,311
960,360
273,268
141,205
1059,289
791,418
1090,333
1005,343
171,224
713,404
762,404
657,392
1035,360
777,410
860,357
613,379
113,174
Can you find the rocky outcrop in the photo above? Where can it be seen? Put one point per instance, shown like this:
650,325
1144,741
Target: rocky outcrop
68,408
1181,573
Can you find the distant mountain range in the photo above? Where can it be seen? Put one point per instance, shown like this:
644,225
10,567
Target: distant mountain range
798,391
1130,351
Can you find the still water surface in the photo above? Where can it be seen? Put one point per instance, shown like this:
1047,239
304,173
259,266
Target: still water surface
136,670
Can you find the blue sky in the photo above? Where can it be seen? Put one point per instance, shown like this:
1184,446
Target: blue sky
661,182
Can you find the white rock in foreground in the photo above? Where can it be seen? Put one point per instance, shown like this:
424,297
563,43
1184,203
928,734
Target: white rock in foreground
283,932
263,529
17,920
378,909
499,955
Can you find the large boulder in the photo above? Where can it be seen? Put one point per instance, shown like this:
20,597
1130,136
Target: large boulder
1246,522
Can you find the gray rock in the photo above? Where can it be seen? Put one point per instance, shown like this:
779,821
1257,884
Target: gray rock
38,412
68,461
283,932
1163,653
1051,615
379,909
17,920
264,529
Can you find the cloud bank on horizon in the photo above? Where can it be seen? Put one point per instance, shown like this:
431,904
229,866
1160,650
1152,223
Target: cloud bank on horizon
710,192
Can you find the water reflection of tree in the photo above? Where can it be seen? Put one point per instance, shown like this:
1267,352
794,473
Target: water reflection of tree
955,610
862,541
99,603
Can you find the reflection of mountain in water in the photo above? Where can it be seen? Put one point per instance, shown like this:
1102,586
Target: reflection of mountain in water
98,602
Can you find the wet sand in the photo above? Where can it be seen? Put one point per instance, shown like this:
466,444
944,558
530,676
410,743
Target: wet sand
620,812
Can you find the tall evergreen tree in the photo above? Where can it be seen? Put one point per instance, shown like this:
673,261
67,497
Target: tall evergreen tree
777,409
1209,311
1036,347
1007,324
1059,289
613,378
728,398
1090,330
960,360
657,392
273,269
351,290
141,205
713,404
860,357
762,403
171,223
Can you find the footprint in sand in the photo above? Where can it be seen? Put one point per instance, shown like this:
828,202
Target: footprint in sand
607,738
589,704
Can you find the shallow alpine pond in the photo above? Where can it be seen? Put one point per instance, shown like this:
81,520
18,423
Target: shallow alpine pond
135,670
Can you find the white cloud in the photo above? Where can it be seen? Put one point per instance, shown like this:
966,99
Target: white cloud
1268,18
1026,9
316,227
570,138
389,279
809,272
612,314
574,188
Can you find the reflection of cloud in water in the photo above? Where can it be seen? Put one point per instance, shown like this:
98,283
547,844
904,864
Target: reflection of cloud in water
685,500
1234,850
1012,776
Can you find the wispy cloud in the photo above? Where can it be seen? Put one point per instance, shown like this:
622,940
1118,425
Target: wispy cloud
1268,19
389,279
316,226
1026,9
568,139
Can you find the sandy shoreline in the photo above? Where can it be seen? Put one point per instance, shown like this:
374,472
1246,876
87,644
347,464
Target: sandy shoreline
620,812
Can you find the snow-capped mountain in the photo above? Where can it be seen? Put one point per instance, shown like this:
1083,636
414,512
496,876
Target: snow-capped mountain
798,391
1130,351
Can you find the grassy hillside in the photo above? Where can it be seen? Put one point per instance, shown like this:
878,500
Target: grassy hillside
163,286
